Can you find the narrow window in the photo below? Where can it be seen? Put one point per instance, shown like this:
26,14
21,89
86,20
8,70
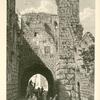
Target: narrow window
47,49
35,34
55,24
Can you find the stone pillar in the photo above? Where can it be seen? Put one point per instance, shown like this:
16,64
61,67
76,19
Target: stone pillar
68,12
12,52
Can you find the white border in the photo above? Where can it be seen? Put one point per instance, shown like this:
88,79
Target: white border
97,52
2,49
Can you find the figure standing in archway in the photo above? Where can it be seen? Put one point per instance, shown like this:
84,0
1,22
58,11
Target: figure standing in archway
30,89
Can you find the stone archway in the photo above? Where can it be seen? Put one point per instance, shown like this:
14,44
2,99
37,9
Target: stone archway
68,12
37,69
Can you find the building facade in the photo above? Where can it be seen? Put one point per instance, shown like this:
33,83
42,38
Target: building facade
12,51
44,44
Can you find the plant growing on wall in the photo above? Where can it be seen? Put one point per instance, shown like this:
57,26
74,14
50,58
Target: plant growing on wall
88,61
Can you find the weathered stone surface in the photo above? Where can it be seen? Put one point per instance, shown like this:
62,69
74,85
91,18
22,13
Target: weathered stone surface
68,13
52,38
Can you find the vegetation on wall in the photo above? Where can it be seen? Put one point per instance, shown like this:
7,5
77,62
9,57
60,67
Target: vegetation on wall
88,61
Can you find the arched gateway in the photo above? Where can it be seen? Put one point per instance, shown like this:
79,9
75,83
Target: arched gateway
37,69
25,62
31,64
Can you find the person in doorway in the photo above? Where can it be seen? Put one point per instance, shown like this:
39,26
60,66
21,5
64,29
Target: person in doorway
44,95
29,91
41,91
38,96
33,90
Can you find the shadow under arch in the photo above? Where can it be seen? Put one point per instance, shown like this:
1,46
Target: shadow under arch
37,69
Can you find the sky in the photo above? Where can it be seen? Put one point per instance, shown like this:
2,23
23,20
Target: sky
87,10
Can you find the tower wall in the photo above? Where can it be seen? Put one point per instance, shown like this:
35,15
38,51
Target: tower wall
68,12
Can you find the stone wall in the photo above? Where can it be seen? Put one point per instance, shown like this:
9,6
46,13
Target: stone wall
86,86
42,35
49,38
64,58
68,12
12,51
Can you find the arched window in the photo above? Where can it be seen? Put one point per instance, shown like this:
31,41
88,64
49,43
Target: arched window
55,24
47,49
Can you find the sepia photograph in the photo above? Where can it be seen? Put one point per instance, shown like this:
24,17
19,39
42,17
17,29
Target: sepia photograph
50,50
